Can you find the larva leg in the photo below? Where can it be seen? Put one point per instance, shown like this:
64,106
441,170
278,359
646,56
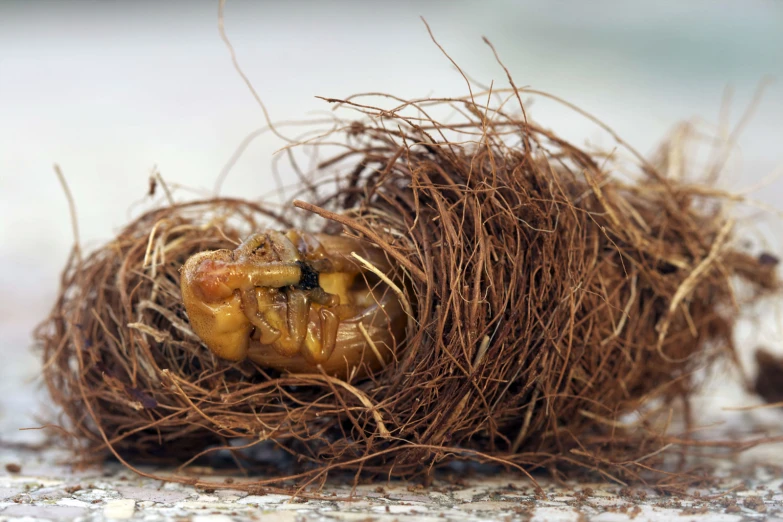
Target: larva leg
289,321
321,339
253,302
298,312
318,295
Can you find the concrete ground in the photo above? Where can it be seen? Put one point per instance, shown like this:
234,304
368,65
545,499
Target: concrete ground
33,487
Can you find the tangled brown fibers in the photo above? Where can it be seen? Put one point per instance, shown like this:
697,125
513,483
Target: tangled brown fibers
552,298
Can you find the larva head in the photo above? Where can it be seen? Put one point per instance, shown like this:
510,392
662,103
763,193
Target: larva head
214,308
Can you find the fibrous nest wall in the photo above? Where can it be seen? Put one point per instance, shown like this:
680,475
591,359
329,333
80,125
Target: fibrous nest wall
552,298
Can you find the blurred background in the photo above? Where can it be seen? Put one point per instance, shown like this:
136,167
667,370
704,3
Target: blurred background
110,90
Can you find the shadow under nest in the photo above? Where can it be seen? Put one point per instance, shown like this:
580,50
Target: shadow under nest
552,298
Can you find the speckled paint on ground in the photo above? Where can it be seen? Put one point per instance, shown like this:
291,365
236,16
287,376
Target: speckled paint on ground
43,490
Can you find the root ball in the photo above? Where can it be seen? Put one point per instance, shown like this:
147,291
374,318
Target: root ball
550,298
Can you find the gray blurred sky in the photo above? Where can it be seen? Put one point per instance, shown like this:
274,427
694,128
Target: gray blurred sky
109,89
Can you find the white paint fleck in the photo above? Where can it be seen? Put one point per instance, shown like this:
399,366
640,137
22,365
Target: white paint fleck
397,509
265,499
550,503
213,518
72,502
233,494
489,505
120,509
291,506
40,482
279,516
193,505
555,514
153,494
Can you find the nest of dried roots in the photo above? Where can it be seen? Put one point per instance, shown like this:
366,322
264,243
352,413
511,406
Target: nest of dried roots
553,297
